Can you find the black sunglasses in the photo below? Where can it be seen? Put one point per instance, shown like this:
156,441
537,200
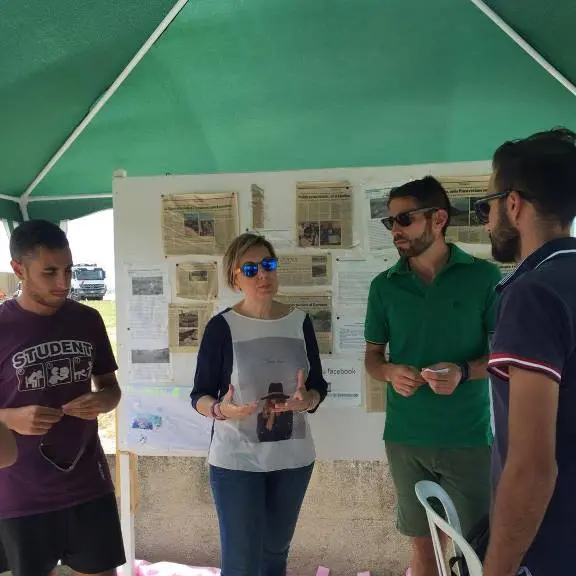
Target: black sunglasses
482,206
404,219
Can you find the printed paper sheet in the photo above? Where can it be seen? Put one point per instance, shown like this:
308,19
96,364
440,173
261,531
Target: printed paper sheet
344,377
319,307
349,332
305,269
463,191
353,278
162,420
199,223
148,325
324,214
186,323
197,280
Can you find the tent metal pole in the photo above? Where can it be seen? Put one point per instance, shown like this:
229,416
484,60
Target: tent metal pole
100,104
524,45
71,197
11,198
7,228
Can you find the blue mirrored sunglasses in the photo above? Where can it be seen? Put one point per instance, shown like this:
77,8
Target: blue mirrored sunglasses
250,269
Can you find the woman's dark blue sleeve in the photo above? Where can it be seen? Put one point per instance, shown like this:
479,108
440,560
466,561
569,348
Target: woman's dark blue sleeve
214,362
315,380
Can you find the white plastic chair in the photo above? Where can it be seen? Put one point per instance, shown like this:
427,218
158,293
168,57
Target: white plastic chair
452,528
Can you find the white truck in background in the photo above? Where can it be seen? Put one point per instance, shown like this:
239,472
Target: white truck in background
88,282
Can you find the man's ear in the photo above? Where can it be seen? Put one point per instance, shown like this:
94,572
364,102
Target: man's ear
440,218
514,204
18,268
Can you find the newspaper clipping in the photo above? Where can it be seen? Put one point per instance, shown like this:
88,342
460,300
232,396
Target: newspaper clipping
378,237
257,207
463,191
186,323
197,281
199,223
305,269
324,214
319,307
374,394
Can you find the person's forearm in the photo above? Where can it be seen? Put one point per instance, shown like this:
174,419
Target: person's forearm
376,366
110,398
478,368
204,405
8,447
523,495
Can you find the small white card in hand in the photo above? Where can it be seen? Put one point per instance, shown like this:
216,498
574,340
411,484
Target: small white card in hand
437,370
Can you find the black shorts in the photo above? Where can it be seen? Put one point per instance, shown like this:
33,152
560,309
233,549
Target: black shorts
86,537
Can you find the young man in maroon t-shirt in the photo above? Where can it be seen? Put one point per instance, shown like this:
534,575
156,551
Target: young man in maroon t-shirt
57,374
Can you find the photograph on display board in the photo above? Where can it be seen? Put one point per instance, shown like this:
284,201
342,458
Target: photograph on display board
324,214
463,192
319,307
199,223
186,323
197,280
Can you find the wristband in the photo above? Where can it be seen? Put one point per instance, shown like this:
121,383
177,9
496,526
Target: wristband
465,371
216,411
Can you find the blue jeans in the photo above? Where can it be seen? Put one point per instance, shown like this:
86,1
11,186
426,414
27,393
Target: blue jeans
257,513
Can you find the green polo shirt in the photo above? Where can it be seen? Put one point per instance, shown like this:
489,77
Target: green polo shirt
449,320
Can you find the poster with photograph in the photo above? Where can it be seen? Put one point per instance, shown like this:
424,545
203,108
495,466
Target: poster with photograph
160,420
463,192
378,237
148,325
197,280
258,214
186,323
324,214
305,269
199,223
319,307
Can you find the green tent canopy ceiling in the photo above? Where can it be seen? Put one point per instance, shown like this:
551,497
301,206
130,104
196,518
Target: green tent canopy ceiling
254,86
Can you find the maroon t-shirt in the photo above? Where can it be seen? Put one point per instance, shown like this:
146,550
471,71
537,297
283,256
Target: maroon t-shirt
49,361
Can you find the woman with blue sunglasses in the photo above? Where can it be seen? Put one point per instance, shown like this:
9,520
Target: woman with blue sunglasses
258,377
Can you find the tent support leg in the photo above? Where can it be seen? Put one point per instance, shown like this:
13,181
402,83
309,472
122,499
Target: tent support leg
509,31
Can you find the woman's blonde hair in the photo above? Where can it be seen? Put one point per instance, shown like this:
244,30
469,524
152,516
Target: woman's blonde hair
237,248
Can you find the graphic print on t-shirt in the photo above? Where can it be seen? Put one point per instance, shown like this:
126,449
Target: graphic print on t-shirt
267,371
55,363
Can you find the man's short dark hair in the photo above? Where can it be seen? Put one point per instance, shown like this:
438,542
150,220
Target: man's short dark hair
427,192
542,168
34,234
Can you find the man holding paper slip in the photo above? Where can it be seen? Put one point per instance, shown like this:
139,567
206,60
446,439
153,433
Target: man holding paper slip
434,310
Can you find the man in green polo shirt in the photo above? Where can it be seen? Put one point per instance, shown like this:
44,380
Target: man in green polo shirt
434,310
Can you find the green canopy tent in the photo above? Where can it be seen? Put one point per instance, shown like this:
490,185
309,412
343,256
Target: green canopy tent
234,85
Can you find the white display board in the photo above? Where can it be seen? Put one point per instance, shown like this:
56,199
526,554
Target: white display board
140,255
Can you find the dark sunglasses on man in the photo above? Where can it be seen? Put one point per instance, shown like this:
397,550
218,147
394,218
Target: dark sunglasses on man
405,219
482,206
250,269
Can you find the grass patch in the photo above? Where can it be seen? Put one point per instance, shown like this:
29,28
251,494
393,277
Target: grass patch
107,422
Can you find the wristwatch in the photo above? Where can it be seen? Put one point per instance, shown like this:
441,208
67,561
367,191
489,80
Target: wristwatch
465,370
